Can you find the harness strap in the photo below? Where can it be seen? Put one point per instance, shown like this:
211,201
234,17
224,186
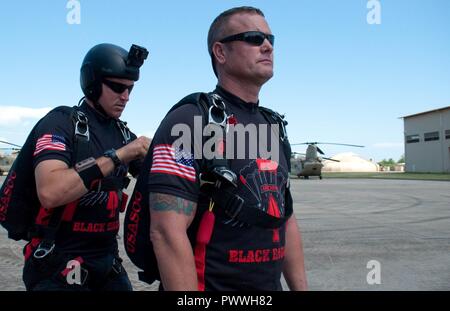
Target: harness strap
124,130
275,118
232,206
48,233
81,134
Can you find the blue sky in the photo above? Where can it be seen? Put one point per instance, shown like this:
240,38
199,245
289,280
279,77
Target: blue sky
337,78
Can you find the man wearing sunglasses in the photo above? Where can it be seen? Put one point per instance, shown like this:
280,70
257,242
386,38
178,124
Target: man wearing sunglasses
222,252
81,159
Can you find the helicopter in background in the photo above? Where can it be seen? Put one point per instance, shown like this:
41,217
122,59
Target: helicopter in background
6,161
310,163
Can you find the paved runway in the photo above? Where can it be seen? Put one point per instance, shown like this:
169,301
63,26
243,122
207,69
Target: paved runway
404,225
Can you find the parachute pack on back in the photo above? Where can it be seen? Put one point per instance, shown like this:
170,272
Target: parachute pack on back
19,203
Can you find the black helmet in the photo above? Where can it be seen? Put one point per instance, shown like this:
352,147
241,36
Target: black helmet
109,60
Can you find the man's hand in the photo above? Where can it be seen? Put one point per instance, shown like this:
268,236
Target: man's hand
137,149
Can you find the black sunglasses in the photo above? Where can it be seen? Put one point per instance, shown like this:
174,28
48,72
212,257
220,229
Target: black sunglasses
117,87
252,37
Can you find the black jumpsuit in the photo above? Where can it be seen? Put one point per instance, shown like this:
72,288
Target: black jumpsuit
89,227
236,258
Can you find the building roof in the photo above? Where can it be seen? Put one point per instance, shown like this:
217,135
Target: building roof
427,112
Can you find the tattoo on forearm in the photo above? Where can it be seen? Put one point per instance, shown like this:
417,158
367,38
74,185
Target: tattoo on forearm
164,202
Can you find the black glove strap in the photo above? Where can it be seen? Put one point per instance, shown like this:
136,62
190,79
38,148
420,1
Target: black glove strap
89,171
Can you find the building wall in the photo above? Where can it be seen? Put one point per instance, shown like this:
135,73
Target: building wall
428,156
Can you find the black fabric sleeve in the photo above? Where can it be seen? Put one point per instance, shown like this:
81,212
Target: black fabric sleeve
54,138
134,166
175,168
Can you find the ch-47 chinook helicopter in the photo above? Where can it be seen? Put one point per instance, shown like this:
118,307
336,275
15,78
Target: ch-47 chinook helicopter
7,161
310,164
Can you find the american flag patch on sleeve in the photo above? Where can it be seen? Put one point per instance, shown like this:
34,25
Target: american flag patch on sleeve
50,142
173,161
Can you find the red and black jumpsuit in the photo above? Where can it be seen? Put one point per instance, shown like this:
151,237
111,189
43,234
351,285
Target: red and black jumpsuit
89,227
236,258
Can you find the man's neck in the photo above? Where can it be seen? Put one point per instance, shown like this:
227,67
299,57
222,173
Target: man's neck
90,103
245,91
97,111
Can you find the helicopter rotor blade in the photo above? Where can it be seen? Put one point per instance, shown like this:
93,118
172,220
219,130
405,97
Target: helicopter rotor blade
341,144
312,143
320,143
330,159
319,150
5,142
10,148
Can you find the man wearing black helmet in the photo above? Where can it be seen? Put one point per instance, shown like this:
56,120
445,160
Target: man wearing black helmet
227,225
81,159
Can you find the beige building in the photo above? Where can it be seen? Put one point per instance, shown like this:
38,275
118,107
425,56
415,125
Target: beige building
427,141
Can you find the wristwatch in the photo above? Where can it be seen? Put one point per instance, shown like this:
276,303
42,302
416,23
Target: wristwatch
111,153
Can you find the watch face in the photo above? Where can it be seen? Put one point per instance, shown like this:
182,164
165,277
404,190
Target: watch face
112,154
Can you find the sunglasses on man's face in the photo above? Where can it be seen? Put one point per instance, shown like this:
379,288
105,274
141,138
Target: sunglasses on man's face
117,87
251,37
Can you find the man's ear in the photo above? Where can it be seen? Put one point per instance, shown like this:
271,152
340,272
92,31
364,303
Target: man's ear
219,52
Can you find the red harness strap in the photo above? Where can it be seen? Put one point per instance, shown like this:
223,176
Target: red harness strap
204,234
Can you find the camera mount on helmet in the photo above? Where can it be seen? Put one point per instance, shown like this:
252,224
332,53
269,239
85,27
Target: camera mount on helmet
136,56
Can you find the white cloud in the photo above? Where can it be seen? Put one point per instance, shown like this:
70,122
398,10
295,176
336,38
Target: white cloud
15,115
387,145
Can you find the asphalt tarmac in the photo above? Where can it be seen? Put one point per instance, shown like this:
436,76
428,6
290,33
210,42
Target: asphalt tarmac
404,225
358,234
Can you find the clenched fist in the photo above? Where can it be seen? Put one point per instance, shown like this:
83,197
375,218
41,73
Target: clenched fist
137,149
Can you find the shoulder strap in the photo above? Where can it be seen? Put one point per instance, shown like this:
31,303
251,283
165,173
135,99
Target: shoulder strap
276,118
200,99
193,98
124,130
81,135
81,131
